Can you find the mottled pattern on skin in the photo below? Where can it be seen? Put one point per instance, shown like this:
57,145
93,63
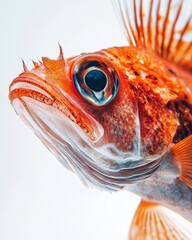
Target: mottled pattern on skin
119,120
155,84
184,113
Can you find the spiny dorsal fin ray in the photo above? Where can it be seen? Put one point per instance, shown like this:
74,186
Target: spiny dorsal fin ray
152,221
163,26
55,65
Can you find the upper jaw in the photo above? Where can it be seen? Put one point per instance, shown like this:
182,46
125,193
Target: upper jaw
29,86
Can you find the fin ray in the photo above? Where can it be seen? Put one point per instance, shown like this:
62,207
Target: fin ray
157,28
142,24
167,32
182,153
173,28
149,27
152,221
165,25
136,21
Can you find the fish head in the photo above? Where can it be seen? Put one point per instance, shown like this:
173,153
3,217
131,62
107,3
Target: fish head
85,111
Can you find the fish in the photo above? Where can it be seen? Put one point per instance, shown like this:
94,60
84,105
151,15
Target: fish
121,118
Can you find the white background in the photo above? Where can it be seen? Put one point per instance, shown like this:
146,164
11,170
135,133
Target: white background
39,198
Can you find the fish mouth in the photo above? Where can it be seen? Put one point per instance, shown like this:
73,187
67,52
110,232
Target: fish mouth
30,86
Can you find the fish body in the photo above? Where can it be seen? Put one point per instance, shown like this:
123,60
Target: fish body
121,118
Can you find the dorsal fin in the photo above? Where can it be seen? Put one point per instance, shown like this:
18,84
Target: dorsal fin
163,26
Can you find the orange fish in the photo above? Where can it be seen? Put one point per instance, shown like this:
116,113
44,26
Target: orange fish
121,118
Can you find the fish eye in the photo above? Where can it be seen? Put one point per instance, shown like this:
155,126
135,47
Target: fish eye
95,79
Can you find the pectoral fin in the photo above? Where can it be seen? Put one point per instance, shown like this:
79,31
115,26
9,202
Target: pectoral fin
182,153
152,221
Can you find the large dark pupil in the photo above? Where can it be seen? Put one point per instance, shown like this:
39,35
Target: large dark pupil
96,80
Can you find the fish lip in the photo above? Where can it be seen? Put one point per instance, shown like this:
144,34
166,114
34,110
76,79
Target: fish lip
30,85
